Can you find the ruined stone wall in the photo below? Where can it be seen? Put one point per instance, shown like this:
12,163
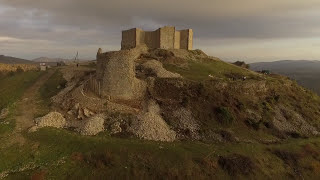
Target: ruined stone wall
152,39
190,40
184,39
177,40
140,35
166,38
128,39
167,35
116,73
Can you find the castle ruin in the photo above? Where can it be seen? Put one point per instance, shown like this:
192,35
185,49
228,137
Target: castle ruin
164,38
116,69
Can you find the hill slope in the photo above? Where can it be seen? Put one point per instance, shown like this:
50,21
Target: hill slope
13,60
306,73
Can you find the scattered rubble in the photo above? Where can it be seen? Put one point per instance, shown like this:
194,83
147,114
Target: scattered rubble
115,128
151,126
53,119
292,123
92,126
187,123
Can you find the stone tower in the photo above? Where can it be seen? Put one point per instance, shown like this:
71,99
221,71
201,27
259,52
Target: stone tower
116,73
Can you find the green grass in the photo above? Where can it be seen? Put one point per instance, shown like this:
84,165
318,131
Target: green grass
65,155
49,89
199,71
52,86
8,124
12,88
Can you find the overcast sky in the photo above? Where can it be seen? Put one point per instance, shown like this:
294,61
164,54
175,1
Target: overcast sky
249,30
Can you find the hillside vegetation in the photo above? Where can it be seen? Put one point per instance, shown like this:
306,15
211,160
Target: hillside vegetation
5,68
13,85
224,97
306,73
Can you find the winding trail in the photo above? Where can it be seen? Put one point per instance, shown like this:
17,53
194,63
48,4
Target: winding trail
26,109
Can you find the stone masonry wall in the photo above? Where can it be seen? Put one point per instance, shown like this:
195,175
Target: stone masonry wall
167,35
166,38
116,72
184,39
152,39
128,39
177,39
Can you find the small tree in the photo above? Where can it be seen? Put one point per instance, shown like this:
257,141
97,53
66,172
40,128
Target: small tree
242,64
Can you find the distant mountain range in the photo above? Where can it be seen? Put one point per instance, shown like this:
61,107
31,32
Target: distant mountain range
306,73
13,60
46,59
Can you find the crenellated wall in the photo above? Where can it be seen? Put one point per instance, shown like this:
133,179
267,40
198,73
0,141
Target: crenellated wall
166,38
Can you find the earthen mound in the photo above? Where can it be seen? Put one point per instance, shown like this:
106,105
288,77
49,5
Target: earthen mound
53,119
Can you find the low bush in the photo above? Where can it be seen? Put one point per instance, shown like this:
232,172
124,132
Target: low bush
236,164
19,70
224,116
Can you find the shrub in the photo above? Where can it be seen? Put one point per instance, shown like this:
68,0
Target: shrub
224,115
236,164
234,76
11,73
164,53
242,64
290,158
253,123
19,69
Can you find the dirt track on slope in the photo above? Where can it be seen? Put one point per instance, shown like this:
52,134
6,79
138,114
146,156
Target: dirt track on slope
26,109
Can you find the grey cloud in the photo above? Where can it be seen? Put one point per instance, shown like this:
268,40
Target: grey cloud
93,22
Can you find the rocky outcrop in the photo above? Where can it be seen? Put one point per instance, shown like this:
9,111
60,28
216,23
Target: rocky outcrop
292,123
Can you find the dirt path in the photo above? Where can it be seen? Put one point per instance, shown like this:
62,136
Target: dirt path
26,108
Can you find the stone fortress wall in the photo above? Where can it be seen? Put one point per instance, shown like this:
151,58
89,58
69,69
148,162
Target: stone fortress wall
165,38
116,74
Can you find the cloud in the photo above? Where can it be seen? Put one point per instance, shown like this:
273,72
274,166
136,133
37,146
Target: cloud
91,23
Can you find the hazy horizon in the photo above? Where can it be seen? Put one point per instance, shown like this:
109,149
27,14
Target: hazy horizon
251,31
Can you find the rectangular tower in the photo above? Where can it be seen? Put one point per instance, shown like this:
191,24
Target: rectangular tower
165,38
